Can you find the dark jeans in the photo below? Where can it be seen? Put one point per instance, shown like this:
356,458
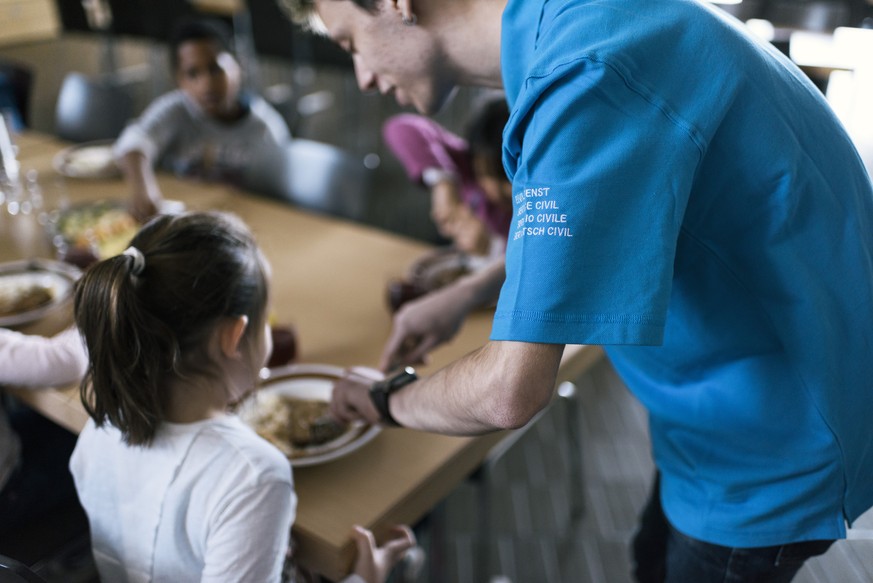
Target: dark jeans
664,555
42,482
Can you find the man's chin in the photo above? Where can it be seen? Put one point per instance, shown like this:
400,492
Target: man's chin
437,103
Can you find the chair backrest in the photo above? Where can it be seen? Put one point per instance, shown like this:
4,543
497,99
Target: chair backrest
91,109
19,80
315,176
12,571
73,16
153,19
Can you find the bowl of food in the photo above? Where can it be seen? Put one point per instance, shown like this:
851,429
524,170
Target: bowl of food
92,231
291,410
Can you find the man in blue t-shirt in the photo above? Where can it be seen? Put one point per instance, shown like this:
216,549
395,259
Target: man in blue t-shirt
684,197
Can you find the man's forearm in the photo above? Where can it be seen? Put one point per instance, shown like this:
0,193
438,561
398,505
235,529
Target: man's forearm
500,386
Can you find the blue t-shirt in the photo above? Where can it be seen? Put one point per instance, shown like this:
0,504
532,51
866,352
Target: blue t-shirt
685,195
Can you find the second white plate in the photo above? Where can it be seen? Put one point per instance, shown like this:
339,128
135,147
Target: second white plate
88,160
56,276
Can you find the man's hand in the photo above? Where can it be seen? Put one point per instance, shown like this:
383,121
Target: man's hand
423,324
351,401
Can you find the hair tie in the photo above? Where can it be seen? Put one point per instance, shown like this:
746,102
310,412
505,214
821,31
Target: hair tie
410,20
138,259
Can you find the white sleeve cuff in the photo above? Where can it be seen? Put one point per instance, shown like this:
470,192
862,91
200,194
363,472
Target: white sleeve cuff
433,176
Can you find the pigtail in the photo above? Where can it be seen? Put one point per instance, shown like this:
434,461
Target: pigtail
130,349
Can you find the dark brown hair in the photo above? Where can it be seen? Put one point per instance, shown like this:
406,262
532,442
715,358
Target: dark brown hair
485,134
198,29
145,329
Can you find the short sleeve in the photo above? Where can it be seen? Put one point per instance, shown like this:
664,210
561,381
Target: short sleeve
274,124
153,131
601,172
249,539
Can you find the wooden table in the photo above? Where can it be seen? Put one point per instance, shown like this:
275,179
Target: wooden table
329,281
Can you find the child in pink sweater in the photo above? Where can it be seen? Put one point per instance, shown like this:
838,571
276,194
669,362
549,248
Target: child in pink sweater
471,198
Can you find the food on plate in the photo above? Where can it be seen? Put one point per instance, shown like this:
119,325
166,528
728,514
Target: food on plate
103,227
293,424
89,161
21,293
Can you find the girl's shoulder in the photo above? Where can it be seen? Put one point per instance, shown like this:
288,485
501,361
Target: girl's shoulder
230,436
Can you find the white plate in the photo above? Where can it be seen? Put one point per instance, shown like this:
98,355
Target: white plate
311,381
88,160
54,274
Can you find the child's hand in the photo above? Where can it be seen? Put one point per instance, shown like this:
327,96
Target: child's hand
444,201
374,563
469,233
143,208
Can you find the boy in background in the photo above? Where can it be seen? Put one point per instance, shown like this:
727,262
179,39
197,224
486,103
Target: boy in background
207,128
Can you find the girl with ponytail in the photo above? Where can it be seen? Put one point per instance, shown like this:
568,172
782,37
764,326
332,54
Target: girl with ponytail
175,486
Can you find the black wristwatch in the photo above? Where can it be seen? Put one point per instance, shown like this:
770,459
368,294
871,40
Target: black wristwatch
381,390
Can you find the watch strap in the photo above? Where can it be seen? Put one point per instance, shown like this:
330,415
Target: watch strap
382,390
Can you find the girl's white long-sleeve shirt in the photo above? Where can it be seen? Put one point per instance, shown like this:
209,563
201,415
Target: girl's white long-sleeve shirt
35,361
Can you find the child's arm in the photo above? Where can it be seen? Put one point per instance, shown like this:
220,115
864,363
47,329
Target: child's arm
35,361
444,199
143,142
374,563
146,195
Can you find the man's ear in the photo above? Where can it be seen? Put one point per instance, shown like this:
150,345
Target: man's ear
404,9
230,335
